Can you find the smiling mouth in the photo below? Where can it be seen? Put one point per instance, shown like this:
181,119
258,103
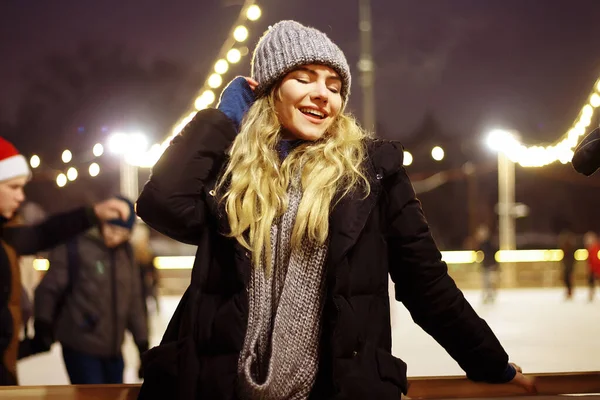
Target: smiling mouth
313,113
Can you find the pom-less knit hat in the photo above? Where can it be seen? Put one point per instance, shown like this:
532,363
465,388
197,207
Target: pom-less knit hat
288,45
12,163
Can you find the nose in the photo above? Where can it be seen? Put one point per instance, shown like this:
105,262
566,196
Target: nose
321,92
20,196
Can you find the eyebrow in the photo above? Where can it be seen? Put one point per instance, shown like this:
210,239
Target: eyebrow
314,73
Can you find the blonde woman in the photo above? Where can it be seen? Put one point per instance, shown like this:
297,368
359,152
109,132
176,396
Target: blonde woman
299,218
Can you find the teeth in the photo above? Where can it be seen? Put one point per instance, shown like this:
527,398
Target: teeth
313,112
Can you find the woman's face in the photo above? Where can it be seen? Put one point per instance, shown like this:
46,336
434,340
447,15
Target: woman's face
308,101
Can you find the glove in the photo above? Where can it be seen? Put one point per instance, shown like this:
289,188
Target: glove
142,348
236,99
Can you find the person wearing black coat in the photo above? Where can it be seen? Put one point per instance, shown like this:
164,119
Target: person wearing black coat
18,240
298,307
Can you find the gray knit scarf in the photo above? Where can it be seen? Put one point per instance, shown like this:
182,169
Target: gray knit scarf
280,357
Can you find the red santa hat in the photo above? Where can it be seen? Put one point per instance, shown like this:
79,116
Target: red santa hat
12,164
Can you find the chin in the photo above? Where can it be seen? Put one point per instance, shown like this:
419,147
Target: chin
310,136
8,214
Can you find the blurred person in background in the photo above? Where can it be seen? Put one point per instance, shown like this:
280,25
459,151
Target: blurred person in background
489,266
17,240
299,216
90,295
568,244
592,245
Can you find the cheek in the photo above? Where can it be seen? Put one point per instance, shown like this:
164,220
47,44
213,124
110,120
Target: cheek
336,105
285,114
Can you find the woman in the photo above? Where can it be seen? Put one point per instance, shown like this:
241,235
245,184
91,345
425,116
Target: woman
298,220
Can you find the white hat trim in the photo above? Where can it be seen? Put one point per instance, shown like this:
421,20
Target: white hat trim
14,166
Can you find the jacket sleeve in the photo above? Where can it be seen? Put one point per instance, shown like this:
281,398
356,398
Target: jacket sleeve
434,301
172,201
52,286
31,239
137,322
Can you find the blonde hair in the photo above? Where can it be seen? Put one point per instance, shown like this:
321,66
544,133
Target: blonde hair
255,181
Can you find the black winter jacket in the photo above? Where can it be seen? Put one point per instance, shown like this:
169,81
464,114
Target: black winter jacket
369,238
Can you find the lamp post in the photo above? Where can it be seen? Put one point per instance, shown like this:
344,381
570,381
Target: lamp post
128,146
128,179
366,65
506,202
500,141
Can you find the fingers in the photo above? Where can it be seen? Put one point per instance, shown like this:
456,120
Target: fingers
253,84
111,209
519,369
123,209
525,382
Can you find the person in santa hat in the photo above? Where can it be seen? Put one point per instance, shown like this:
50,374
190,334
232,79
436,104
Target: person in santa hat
18,240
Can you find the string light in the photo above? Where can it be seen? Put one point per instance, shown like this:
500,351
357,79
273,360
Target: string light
67,156
98,150
250,12
35,161
72,174
234,56
61,180
215,80
561,151
221,66
437,153
241,33
94,169
254,12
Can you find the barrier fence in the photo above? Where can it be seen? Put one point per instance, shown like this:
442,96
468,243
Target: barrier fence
585,384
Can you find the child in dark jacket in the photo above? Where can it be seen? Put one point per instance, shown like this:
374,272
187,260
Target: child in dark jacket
89,297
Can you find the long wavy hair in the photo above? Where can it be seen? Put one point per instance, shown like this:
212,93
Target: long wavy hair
255,182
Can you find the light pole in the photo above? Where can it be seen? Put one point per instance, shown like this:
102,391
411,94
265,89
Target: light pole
366,65
506,202
128,147
501,141
128,179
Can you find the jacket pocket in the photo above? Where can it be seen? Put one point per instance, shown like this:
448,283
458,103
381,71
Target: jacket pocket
392,369
171,371
371,373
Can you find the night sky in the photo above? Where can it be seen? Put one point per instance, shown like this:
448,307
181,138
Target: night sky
476,64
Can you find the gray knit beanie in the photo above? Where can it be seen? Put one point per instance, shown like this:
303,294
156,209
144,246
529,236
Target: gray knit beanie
288,45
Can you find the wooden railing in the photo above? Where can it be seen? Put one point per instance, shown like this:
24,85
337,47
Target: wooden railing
460,387
420,388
